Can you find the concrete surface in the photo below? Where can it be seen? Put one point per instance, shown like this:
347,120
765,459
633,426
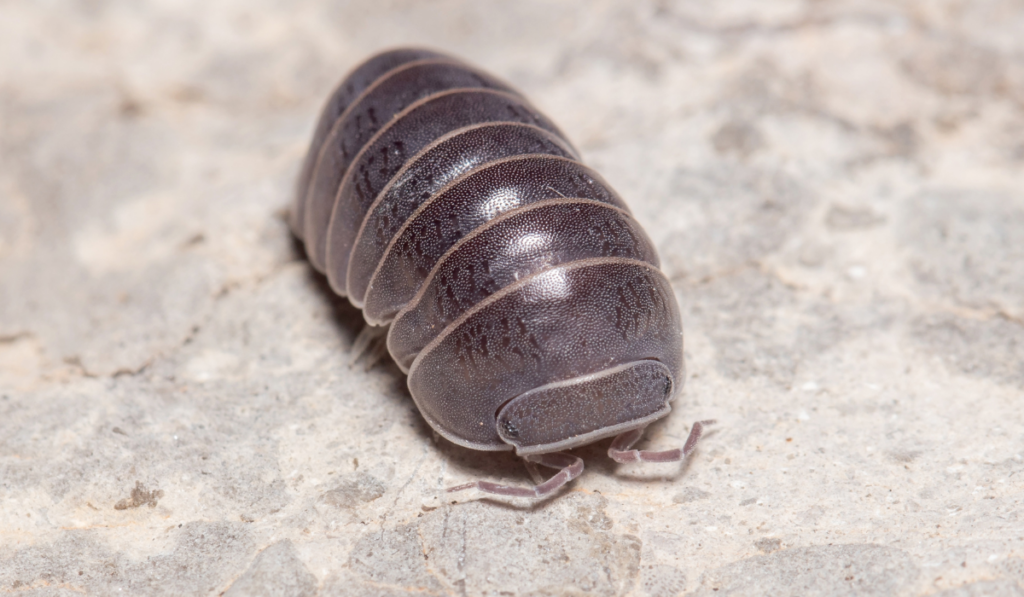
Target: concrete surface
836,192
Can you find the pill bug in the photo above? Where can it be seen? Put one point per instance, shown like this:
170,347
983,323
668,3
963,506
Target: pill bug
523,300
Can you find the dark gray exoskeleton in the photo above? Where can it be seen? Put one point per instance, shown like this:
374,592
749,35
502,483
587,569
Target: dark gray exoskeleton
524,302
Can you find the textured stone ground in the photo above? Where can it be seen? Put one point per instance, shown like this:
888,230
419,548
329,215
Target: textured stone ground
836,192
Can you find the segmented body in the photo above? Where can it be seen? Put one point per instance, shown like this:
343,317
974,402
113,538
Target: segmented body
525,302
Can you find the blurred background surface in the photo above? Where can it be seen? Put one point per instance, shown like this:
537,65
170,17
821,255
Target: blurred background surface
836,190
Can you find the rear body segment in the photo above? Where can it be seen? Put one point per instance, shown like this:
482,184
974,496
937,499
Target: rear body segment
566,322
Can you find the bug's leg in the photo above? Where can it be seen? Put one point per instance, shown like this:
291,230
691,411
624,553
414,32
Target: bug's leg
620,449
569,467
378,348
531,467
368,343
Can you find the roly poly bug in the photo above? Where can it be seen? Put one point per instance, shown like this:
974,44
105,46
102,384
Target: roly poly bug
524,302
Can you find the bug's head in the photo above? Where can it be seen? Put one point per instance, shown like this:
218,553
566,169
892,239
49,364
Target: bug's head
584,409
